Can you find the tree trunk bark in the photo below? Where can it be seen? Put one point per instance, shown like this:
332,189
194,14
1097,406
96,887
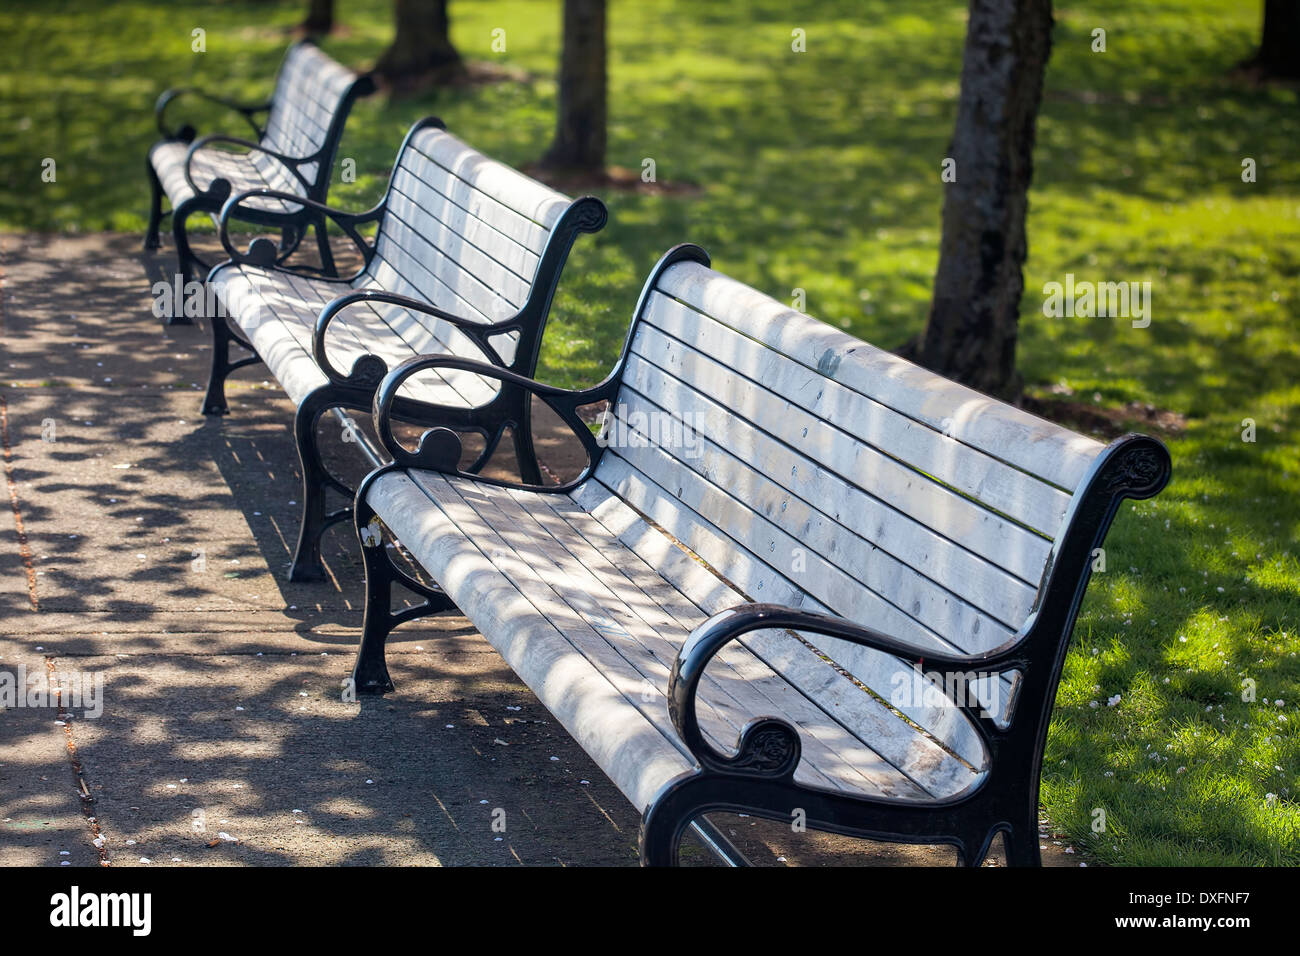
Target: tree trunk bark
421,53
320,18
1280,40
971,331
579,144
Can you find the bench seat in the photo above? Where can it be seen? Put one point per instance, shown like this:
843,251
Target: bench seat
277,312
590,605
171,159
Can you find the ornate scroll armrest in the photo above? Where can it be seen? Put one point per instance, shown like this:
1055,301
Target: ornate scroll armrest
186,133
262,251
290,163
478,332
769,745
439,448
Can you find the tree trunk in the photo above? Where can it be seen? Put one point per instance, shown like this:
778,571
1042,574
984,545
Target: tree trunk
1280,42
320,18
421,54
579,144
971,331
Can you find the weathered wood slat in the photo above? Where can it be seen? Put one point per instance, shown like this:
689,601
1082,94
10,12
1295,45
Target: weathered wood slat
278,322
707,591
600,710
748,685
860,577
432,199
439,276
758,582
511,188
531,235
817,506
610,634
1053,453
843,420
429,232
307,96
789,660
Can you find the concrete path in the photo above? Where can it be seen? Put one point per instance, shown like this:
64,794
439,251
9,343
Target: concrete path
147,547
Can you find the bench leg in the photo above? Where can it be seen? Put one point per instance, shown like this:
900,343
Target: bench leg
370,673
975,847
186,260
151,239
1022,847
316,481
214,402
529,471
323,246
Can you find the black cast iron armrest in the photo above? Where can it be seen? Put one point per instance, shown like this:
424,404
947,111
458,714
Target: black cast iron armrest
439,448
262,251
187,132
288,162
711,636
478,332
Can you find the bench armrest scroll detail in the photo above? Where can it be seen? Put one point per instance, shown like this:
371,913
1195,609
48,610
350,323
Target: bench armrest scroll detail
262,251
186,133
768,746
439,448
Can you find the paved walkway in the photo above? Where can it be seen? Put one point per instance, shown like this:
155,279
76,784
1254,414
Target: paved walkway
148,544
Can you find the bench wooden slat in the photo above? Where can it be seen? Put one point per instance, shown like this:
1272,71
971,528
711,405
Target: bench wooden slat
626,649
423,237
836,752
437,275
714,350
499,246
511,188
745,572
826,513
701,586
392,333
622,741
276,324
307,96
501,217
875,574
863,715
1038,447
650,638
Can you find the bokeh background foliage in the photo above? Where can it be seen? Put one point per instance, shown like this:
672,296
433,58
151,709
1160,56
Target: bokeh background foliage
820,171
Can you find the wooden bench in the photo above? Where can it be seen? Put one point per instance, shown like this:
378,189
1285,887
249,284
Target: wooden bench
293,154
706,612
465,260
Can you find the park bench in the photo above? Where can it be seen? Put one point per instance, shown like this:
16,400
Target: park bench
763,609
465,259
293,155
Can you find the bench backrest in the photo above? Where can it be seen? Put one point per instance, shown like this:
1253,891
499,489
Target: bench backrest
469,234
313,96
811,469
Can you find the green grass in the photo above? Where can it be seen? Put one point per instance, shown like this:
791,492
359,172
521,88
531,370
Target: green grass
822,172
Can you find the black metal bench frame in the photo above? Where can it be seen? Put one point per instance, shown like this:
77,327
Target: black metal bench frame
355,388
759,779
293,225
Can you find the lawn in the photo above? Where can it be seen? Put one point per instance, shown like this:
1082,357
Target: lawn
820,171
